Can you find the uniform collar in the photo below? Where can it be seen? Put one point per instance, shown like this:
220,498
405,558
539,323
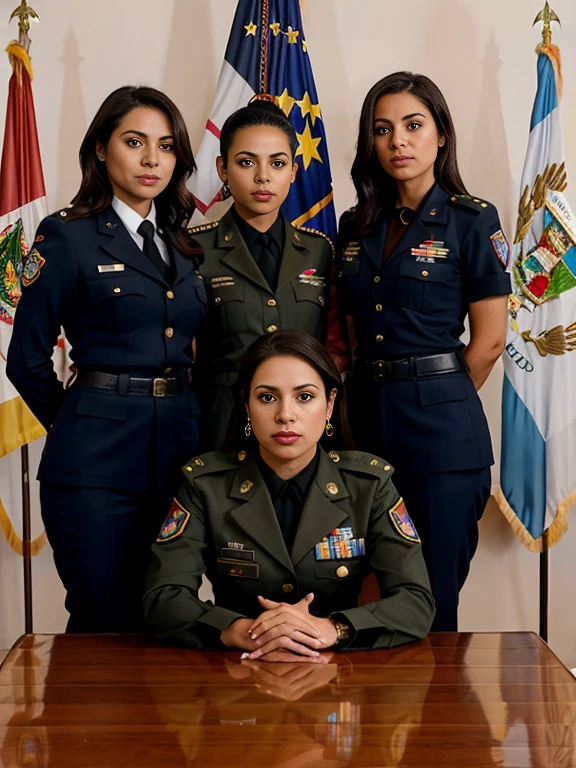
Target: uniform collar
300,483
130,218
250,235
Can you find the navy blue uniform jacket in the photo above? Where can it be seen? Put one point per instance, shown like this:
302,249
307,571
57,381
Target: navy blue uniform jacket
120,316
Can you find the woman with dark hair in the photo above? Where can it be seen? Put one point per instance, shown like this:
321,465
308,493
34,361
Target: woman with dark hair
118,271
284,531
262,274
417,255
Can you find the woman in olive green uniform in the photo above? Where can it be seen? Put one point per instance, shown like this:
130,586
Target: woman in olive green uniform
284,531
261,273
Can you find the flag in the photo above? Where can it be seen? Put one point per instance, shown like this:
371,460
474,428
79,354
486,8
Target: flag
538,465
267,52
22,206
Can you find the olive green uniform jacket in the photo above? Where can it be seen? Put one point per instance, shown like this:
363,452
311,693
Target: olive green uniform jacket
242,307
225,503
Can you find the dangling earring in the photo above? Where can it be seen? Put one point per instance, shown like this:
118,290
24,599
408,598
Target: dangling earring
248,428
226,191
329,429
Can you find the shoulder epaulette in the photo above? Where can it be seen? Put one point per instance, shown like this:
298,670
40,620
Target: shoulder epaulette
467,201
359,461
203,227
317,232
61,214
212,461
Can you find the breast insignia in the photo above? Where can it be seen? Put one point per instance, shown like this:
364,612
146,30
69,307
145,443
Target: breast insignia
203,227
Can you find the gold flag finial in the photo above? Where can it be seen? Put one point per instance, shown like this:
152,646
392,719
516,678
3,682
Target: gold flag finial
547,16
24,13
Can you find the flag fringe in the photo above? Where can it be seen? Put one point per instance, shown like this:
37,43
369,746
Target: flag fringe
553,53
16,543
555,530
16,51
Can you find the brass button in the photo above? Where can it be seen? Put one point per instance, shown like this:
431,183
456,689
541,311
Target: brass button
241,455
335,457
63,213
332,488
169,294
271,302
169,332
342,572
387,468
287,587
117,290
271,328
377,279
228,237
424,273
217,300
378,307
246,485
379,337
188,469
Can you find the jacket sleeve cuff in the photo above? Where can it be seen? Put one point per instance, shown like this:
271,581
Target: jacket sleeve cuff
365,630
490,285
220,618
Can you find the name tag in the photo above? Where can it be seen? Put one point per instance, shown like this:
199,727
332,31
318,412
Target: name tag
111,267
238,568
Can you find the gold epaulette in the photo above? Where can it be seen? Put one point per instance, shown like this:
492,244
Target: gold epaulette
317,232
203,227
469,202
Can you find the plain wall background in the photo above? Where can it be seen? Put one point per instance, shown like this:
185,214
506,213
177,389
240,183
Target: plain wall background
482,57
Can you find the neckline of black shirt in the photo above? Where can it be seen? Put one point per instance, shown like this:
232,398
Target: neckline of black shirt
396,229
250,235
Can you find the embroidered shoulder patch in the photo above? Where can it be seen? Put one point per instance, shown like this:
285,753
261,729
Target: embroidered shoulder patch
317,232
501,247
175,522
33,263
401,521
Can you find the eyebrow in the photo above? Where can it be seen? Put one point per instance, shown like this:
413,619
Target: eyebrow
277,389
145,135
253,154
406,117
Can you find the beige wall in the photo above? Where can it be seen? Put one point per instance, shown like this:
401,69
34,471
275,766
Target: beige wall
480,54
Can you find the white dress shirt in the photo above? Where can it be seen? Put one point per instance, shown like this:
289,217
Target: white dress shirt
132,221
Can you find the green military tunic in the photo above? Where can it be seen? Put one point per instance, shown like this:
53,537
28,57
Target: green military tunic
242,307
223,524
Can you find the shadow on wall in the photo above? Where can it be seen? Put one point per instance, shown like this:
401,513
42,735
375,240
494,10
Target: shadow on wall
190,76
73,123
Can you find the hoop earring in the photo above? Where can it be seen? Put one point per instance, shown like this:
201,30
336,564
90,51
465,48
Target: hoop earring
329,429
248,428
226,191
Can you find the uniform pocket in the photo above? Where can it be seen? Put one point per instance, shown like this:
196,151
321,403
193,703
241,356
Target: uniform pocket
332,569
441,389
427,287
123,300
310,303
101,406
228,304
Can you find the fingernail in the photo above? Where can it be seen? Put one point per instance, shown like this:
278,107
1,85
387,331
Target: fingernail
245,656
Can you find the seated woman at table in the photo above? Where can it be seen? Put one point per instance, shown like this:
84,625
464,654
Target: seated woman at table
285,531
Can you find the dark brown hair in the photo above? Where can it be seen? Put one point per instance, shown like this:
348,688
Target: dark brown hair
302,346
175,204
256,113
375,189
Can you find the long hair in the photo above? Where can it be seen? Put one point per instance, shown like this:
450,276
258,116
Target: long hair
375,189
255,114
294,344
175,204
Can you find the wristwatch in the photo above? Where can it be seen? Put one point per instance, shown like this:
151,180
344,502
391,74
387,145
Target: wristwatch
342,630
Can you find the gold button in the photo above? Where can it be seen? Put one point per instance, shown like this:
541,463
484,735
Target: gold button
246,485
169,294
241,455
424,273
374,463
63,213
169,332
199,462
387,468
188,469
271,328
287,587
377,279
335,457
379,337
217,300
117,290
271,302
228,237
342,572
332,488
378,307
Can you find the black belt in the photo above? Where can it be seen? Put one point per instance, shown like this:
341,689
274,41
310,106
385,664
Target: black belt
125,384
411,368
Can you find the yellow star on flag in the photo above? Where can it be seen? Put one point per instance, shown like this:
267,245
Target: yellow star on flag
292,35
275,28
308,146
251,29
286,102
306,107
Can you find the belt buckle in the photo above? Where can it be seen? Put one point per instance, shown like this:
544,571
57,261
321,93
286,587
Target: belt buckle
159,387
380,370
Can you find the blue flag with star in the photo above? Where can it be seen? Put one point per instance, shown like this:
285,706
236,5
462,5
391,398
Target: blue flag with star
267,52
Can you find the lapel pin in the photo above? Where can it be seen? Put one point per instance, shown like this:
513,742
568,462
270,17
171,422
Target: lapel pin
332,488
246,486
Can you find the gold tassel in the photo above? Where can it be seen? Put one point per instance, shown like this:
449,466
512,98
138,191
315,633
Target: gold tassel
556,529
36,545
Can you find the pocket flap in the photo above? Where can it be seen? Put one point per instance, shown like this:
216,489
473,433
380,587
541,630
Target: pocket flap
333,569
446,388
116,287
350,267
225,293
305,292
428,273
100,405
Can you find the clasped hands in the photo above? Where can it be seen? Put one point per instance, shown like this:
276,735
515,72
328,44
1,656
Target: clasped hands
282,632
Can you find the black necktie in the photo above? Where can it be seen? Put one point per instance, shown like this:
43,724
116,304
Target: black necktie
146,230
267,262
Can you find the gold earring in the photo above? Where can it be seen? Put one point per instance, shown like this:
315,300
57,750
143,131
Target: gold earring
248,428
329,429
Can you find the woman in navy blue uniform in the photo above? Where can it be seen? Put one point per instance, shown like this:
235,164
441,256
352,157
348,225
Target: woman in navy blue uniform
118,271
417,254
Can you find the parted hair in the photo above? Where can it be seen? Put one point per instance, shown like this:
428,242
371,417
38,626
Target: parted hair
289,344
175,204
375,189
255,114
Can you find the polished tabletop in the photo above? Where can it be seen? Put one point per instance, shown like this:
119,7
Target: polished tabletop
466,700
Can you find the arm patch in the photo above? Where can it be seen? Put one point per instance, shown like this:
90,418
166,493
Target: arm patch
402,522
175,523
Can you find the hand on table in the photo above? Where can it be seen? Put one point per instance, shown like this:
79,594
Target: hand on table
291,681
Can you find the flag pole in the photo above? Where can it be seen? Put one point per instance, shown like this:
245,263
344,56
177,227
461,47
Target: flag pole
24,13
264,47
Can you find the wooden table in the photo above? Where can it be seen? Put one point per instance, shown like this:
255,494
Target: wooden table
466,700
